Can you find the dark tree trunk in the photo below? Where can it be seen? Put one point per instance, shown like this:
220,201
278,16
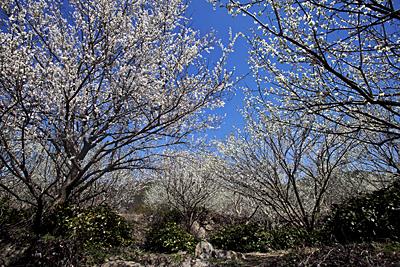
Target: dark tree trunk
38,228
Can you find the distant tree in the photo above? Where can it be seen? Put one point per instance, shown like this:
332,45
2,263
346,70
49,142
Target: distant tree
290,170
185,183
89,88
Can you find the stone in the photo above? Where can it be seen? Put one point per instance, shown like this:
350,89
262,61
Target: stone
197,230
241,256
194,263
199,263
231,255
186,263
204,250
209,227
228,254
120,263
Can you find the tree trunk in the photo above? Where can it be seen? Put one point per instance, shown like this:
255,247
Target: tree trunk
38,218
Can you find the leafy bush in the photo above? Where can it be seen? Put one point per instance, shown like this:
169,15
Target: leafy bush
369,217
284,238
170,237
55,222
97,226
51,251
243,238
164,215
8,214
254,237
13,222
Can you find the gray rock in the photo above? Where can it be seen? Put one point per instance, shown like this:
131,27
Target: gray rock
120,263
231,255
241,256
204,250
209,227
220,254
228,255
186,263
194,263
199,263
197,230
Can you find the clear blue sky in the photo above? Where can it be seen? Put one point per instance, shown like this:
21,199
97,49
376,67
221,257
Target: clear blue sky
205,19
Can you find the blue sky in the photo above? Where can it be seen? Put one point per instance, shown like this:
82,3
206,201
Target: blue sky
205,19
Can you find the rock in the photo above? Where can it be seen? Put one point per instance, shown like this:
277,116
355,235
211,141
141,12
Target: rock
220,254
241,256
228,254
204,250
186,263
209,227
121,263
231,255
197,230
199,263
194,263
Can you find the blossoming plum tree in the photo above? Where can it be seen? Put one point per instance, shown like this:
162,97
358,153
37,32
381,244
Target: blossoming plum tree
185,183
327,102
289,170
89,88
336,59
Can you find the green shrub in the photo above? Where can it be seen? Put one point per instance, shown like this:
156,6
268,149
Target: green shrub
55,222
97,226
370,217
169,237
257,238
50,251
13,222
165,215
289,237
8,214
242,237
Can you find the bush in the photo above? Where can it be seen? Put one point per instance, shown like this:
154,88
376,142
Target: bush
373,216
257,238
243,238
164,215
10,215
13,222
290,237
97,226
51,251
170,237
55,222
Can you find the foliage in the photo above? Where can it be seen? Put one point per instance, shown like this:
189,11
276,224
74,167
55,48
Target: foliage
163,215
170,237
242,237
369,217
93,227
51,251
290,237
14,222
8,214
255,237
